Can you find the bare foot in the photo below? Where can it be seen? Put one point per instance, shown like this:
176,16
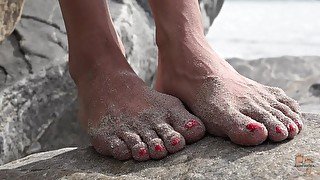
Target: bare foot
126,119
227,103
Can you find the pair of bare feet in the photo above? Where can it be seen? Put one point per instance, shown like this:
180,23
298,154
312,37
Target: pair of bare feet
126,119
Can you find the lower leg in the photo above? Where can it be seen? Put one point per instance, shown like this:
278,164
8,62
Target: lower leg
90,34
122,115
228,103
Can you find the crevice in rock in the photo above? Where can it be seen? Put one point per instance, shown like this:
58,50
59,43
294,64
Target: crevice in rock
18,36
56,26
39,55
60,44
3,69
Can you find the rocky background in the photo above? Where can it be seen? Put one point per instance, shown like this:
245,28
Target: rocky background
38,104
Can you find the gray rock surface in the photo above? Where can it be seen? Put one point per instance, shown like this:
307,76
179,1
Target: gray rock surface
36,91
29,107
211,158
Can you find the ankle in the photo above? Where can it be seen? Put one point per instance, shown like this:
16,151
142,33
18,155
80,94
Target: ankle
175,36
89,59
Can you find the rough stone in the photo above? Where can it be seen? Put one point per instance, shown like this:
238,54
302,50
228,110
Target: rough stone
10,12
29,107
211,158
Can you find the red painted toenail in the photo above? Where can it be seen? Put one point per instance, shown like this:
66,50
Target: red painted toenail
175,141
159,147
291,128
142,152
191,124
252,126
278,129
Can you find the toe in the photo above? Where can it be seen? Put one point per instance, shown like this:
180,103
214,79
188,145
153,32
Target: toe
139,149
292,128
189,126
295,117
291,103
277,131
283,98
173,140
112,146
243,130
156,147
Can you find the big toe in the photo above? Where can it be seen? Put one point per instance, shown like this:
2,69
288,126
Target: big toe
243,130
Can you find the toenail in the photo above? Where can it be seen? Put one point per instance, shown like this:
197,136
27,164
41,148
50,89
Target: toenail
252,126
159,147
191,124
298,124
278,129
142,152
291,128
175,141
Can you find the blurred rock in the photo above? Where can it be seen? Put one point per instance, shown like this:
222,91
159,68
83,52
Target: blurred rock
36,92
210,158
315,89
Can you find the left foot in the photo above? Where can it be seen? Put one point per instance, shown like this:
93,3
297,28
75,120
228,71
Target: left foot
228,103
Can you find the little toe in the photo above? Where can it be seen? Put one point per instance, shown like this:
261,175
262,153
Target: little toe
112,146
188,125
139,149
291,103
277,131
296,118
173,140
283,98
243,130
156,147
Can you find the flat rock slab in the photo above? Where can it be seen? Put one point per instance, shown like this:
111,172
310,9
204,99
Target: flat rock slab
211,158
10,13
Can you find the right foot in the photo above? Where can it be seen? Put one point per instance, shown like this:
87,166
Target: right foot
125,118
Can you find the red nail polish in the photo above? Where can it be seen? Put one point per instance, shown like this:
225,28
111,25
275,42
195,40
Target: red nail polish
291,128
278,129
142,152
159,147
175,141
191,124
252,126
